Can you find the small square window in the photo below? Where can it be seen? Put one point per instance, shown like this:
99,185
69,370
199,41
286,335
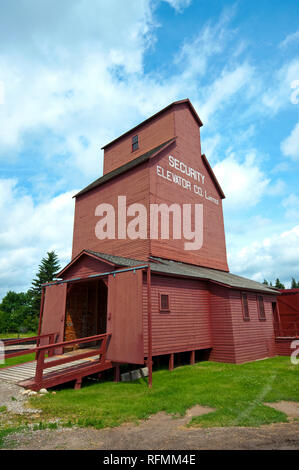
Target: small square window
164,303
135,145
261,307
245,307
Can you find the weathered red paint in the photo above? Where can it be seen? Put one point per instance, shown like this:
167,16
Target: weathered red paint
202,315
288,304
143,185
54,312
124,317
149,325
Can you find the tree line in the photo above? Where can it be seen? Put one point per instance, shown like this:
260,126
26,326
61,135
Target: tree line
280,285
19,311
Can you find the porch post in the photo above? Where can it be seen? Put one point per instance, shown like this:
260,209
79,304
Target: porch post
41,309
149,320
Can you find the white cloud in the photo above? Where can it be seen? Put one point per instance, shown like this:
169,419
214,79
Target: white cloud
243,183
279,96
272,257
290,39
30,230
195,53
291,205
65,85
290,146
179,5
72,93
225,89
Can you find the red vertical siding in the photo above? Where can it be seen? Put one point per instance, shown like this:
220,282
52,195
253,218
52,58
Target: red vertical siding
283,346
288,304
124,318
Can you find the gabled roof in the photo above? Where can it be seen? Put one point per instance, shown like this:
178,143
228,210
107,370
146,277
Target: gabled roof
112,260
178,269
175,103
128,166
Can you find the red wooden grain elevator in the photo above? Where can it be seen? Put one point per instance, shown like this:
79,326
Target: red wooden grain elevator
152,295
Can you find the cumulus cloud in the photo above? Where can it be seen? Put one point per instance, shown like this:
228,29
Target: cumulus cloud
66,95
290,39
272,257
279,96
179,5
291,205
28,231
244,183
290,146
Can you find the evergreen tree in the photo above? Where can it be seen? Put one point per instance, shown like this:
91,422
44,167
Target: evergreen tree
16,315
265,282
279,284
294,285
48,267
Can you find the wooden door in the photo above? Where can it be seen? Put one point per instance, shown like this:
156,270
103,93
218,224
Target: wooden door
54,312
124,318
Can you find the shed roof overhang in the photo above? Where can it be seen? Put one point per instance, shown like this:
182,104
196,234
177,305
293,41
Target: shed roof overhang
168,268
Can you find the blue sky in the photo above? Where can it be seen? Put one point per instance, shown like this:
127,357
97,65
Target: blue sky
76,74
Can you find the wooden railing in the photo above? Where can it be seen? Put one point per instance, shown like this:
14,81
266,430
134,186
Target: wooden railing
287,329
42,350
12,342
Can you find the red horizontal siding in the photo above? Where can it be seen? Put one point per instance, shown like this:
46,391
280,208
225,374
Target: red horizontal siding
186,327
221,321
253,339
85,266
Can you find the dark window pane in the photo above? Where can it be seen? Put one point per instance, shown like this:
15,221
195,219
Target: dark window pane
245,307
261,307
164,302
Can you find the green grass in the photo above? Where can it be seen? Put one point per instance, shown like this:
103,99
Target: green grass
237,392
18,360
17,335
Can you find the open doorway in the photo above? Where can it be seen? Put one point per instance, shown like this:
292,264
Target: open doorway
86,310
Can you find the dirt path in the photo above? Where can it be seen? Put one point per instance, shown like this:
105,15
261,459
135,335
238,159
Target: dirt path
161,432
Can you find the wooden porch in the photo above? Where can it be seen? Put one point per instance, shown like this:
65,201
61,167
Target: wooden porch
59,367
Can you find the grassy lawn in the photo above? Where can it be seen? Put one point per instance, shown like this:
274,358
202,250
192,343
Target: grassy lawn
237,392
17,335
18,360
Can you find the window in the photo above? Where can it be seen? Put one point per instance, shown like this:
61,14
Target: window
135,145
164,303
261,307
245,307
